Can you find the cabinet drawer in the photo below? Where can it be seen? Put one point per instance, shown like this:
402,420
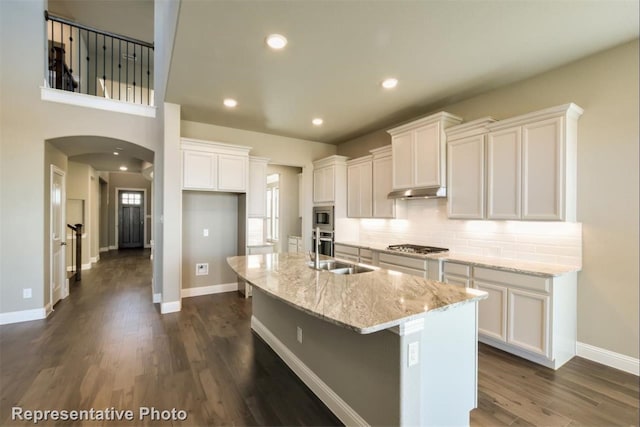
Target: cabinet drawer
456,280
347,257
404,261
524,281
366,253
406,270
457,269
344,249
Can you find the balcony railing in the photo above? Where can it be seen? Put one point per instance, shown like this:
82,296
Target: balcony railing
94,62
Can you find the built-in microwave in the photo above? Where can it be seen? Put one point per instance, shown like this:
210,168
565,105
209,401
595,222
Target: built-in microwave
323,217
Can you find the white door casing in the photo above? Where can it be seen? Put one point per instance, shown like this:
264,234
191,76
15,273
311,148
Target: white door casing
57,287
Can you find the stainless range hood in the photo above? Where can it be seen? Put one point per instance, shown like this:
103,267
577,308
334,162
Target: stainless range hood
419,193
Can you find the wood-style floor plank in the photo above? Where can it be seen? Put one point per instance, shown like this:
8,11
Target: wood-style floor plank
108,346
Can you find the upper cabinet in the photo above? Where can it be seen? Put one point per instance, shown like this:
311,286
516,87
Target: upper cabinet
257,193
419,152
360,187
466,169
212,166
382,162
329,180
531,166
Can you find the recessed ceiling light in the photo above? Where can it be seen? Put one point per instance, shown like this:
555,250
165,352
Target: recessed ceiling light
115,153
317,122
389,83
229,102
123,168
276,41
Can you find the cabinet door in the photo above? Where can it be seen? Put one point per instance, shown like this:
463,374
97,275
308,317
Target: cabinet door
366,190
232,173
529,321
257,189
353,191
318,185
382,186
401,269
403,160
427,156
465,169
199,170
329,178
300,196
492,312
293,247
503,177
543,170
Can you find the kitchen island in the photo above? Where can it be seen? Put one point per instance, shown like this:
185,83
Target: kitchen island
378,348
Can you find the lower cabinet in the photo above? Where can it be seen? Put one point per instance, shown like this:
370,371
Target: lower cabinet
294,244
347,253
492,312
528,321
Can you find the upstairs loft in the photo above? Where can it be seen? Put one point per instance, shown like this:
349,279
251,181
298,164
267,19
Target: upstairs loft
94,68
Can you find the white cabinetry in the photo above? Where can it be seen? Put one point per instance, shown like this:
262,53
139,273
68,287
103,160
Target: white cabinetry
466,169
426,268
300,196
329,180
294,244
531,316
359,187
213,166
531,166
257,192
354,253
419,152
383,207
456,274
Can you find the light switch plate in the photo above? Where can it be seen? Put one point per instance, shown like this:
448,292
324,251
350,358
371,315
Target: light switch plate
26,293
205,232
299,334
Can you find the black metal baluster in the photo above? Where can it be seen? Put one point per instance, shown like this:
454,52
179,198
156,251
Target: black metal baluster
104,65
79,60
95,82
134,73
119,68
148,82
88,64
63,80
51,56
71,58
112,67
127,75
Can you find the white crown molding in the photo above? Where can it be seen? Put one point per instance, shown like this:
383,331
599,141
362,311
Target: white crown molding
570,110
213,147
447,118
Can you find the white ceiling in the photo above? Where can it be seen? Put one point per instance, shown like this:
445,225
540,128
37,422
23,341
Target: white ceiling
98,152
339,51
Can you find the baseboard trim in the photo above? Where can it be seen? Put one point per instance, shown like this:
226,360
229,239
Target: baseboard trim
157,298
47,310
113,248
147,246
95,259
339,407
170,307
208,290
105,249
609,358
23,316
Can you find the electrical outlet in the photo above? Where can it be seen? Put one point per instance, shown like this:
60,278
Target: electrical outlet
205,232
26,293
202,269
299,334
414,353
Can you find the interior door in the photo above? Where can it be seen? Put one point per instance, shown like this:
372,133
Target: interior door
131,219
58,230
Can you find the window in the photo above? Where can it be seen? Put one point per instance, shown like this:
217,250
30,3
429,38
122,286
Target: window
273,207
130,198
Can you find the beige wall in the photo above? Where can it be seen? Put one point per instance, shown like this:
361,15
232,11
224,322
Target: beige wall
290,222
79,207
606,86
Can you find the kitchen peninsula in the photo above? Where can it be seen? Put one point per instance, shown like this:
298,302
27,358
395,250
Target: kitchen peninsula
378,348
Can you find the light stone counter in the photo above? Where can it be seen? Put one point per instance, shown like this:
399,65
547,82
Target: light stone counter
365,302
504,264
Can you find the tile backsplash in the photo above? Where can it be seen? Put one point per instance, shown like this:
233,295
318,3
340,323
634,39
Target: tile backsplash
427,224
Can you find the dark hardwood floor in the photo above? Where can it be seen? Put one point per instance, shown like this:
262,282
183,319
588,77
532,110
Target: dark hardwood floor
107,346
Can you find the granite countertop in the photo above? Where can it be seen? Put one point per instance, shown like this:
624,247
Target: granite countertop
365,302
505,264
260,245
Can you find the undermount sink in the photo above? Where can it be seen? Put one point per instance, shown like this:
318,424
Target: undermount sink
338,267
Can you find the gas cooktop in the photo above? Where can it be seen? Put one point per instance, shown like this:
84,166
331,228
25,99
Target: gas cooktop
416,249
